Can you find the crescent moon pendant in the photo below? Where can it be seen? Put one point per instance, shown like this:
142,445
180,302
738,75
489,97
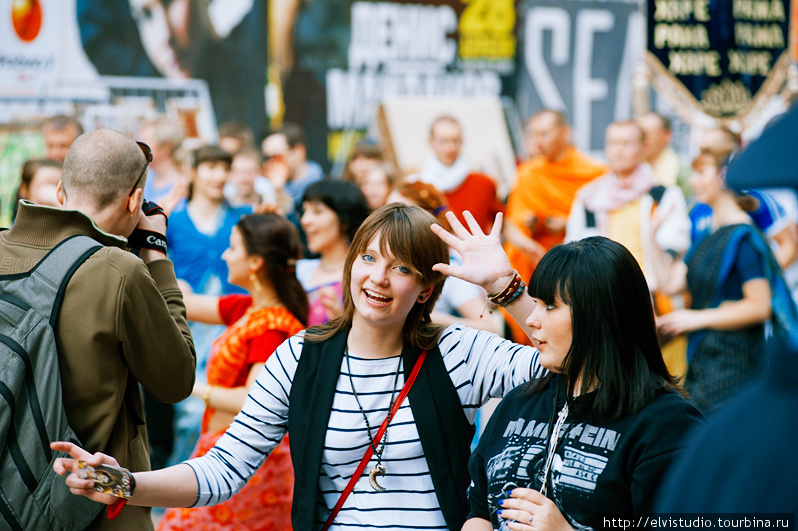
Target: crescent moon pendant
378,470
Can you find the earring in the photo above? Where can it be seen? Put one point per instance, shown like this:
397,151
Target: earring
254,279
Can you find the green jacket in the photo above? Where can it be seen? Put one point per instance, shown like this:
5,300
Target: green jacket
122,323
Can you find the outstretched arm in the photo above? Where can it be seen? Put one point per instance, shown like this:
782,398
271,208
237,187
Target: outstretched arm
175,486
484,261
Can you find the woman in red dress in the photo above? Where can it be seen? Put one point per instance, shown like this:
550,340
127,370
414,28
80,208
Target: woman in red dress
261,259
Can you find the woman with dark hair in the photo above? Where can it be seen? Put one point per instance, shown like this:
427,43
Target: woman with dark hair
332,212
732,277
38,183
383,361
261,258
595,435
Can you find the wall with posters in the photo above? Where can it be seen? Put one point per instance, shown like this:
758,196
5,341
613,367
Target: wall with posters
418,49
579,56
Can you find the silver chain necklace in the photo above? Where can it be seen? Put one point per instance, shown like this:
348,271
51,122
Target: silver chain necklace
378,469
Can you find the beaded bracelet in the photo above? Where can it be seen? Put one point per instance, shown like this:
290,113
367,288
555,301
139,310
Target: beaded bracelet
513,290
510,293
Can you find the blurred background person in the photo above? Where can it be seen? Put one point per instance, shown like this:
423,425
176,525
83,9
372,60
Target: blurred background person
460,300
198,234
332,211
538,205
377,184
166,174
657,151
59,132
246,185
38,183
727,273
235,135
364,156
448,171
261,259
623,205
774,210
286,165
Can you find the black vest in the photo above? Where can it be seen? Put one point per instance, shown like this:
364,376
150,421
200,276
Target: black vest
443,428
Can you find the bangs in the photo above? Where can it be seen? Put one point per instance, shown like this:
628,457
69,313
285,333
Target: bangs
405,234
551,279
395,240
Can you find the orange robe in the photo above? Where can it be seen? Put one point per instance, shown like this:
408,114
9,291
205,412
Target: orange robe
545,189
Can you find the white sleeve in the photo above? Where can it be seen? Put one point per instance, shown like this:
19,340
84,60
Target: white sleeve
483,365
674,233
255,431
455,293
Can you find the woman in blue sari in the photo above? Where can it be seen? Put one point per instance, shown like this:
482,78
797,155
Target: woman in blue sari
732,277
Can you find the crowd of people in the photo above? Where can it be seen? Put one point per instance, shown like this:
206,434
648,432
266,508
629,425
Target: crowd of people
295,350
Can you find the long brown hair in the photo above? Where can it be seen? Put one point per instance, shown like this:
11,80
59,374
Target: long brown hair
406,231
275,239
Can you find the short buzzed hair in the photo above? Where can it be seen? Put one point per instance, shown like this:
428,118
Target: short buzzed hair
446,118
629,123
238,130
101,166
559,116
60,122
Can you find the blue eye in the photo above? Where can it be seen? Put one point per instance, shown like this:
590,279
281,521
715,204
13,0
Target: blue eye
403,269
368,258
550,306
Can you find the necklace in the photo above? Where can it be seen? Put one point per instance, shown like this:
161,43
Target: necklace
552,443
377,469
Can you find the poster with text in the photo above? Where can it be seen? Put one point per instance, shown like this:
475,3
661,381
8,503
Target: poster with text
721,56
579,56
451,48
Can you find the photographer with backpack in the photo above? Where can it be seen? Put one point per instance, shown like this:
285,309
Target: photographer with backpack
118,321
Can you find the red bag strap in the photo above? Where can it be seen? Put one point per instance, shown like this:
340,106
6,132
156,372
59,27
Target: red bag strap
377,438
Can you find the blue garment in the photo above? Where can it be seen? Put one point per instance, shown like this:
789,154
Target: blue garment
769,215
743,459
296,188
198,257
746,256
156,193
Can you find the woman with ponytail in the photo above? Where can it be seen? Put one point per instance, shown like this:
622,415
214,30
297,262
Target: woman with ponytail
261,259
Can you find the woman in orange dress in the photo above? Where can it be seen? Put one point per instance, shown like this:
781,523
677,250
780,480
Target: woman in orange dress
261,259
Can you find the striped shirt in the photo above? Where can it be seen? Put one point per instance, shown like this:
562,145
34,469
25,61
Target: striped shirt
480,364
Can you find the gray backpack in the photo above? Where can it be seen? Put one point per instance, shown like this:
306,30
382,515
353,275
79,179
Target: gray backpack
32,496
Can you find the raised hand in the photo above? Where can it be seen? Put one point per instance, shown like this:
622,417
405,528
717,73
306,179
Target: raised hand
78,486
484,260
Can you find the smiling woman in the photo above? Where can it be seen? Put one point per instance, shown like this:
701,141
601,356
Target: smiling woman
380,388
595,435
332,212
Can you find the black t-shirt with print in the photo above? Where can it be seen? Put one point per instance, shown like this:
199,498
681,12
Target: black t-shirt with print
599,469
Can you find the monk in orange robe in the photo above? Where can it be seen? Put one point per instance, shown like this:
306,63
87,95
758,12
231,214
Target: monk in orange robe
538,207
